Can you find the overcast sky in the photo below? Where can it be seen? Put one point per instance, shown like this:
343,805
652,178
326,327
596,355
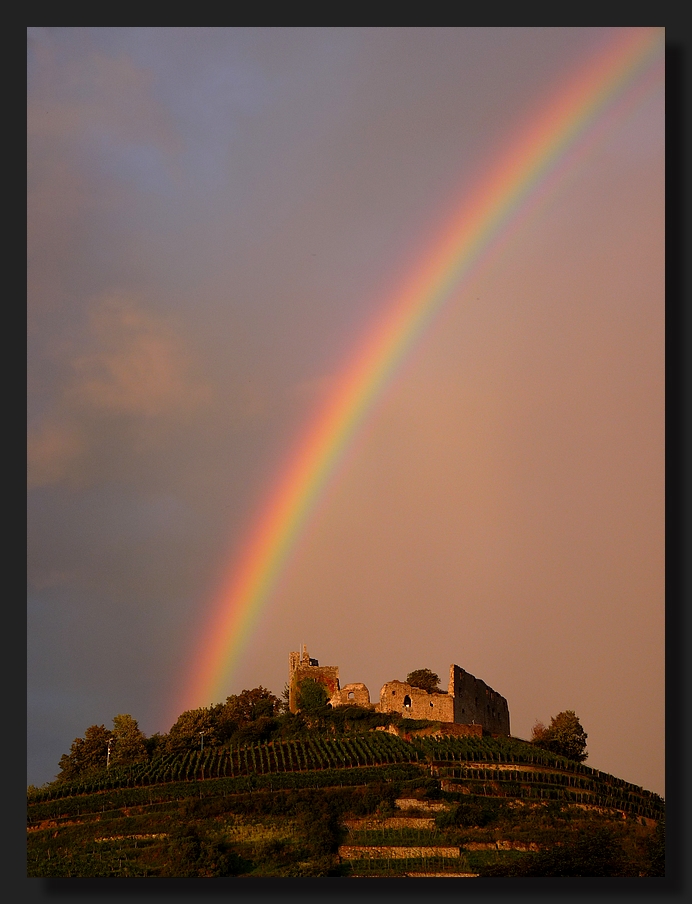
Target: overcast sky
216,216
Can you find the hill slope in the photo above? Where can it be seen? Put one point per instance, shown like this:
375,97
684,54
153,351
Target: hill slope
361,804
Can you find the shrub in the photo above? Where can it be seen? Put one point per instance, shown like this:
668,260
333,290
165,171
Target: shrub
312,696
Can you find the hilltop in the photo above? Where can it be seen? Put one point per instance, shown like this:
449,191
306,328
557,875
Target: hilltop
345,797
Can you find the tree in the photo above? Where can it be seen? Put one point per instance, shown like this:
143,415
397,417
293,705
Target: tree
240,710
312,696
538,732
424,679
250,705
285,698
89,752
258,730
563,736
129,742
155,744
188,728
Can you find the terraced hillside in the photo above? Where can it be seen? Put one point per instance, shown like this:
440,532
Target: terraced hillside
369,804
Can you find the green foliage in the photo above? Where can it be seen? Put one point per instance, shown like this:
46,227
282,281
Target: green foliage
410,725
598,853
564,736
344,719
129,742
164,806
248,716
424,679
377,795
155,744
87,753
186,734
473,811
318,822
147,820
312,696
290,725
261,729
656,851
191,854
249,705
473,762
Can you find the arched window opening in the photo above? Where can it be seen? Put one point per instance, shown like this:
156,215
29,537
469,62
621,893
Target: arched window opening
407,702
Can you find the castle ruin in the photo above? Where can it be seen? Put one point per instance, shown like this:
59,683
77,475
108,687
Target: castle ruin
467,701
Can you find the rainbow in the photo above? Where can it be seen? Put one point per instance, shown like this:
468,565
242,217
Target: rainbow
518,179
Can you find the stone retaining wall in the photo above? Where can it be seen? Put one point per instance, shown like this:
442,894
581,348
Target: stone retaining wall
384,852
411,803
500,846
392,822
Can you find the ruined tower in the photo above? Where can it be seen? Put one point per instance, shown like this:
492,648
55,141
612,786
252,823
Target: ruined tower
301,666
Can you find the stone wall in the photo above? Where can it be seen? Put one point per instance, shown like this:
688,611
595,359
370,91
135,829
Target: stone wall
301,666
477,703
297,659
468,701
355,694
390,822
326,675
385,852
414,703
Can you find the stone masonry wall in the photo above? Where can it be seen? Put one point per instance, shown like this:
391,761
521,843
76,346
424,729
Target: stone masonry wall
400,697
468,701
476,702
383,852
355,694
327,675
301,666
